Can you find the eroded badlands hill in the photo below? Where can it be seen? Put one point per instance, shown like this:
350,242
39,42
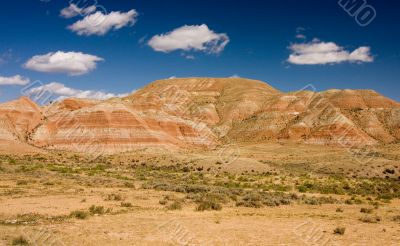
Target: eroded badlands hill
204,112
18,119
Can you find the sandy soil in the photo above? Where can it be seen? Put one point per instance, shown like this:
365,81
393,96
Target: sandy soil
36,204
148,223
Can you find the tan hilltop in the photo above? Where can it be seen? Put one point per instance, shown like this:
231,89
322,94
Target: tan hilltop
204,113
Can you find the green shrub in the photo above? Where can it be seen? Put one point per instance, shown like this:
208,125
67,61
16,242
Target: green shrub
252,200
126,204
312,201
386,197
129,185
79,214
396,218
96,210
114,197
216,196
208,205
370,219
339,210
339,230
20,241
176,205
302,189
210,201
22,182
366,210
271,199
349,202
356,200
25,219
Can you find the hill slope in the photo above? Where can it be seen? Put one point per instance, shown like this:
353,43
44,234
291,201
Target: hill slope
204,112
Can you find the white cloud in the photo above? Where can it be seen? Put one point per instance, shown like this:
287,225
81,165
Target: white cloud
317,52
60,91
190,57
73,10
300,29
235,76
72,63
14,80
301,36
99,23
197,37
299,33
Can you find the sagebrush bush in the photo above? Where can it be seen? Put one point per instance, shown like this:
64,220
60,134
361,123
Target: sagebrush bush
20,241
339,210
396,218
114,197
97,210
210,201
208,205
339,230
366,210
79,214
22,182
252,200
126,204
370,219
176,205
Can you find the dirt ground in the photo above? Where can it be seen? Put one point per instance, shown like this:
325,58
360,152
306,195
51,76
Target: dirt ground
38,197
147,223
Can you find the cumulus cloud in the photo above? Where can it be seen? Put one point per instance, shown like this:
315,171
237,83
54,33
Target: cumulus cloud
196,37
73,10
99,23
72,63
14,80
59,91
317,52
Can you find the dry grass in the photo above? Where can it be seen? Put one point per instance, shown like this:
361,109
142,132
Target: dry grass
40,191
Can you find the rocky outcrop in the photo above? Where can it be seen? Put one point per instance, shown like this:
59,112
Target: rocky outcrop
204,112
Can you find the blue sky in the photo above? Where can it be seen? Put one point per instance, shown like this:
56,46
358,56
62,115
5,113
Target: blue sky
131,52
